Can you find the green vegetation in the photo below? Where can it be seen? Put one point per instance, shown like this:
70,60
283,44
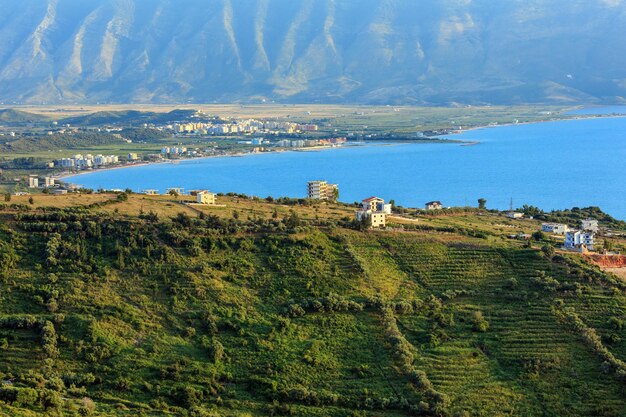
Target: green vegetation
573,216
111,307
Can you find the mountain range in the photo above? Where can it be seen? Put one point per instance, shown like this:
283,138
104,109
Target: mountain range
427,52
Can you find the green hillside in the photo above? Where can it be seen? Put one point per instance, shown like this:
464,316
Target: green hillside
13,117
115,305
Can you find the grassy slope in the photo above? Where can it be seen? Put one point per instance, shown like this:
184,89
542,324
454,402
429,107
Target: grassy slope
139,308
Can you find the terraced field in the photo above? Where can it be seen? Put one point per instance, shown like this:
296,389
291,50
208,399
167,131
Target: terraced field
113,313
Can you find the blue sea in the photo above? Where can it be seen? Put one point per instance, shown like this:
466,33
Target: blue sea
552,165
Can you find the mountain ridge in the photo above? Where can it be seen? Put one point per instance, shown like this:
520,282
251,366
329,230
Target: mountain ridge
435,52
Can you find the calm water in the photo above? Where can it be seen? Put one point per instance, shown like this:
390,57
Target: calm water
550,165
600,110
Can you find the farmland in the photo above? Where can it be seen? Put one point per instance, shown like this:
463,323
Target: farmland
116,304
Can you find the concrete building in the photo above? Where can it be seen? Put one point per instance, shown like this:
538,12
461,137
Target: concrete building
555,228
132,157
515,215
375,211
151,192
205,197
49,182
33,181
321,190
590,224
434,205
579,240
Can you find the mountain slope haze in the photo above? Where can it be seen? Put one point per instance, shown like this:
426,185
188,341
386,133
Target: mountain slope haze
356,51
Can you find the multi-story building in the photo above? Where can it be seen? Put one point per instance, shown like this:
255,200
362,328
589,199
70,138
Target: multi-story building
33,181
590,224
321,190
132,157
579,240
555,228
49,182
374,211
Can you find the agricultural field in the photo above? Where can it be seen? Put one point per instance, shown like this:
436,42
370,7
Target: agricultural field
124,304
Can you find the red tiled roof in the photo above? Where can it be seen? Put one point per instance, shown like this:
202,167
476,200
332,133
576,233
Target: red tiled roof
367,200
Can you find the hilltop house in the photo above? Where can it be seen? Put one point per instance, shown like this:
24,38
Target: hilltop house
555,228
205,197
434,205
375,211
590,224
579,240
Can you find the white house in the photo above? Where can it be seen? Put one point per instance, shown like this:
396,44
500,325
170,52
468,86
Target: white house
579,240
375,210
514,215
205,197
555,228
434,205
590,224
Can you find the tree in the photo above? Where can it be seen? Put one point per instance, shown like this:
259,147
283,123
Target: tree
51,400
482,203
548,251
334,195
538,236
31,200
7,197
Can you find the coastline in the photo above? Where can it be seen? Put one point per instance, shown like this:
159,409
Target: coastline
464,143
564,119
65,175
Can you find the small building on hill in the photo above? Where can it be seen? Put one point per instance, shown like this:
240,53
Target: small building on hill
515,215
555,228
590,224
205,197
374,211
579,240
434,205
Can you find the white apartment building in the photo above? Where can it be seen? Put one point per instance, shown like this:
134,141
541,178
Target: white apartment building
579,240
321,190
555,228
33,181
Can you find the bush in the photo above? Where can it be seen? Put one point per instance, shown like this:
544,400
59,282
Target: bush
26,397
479,324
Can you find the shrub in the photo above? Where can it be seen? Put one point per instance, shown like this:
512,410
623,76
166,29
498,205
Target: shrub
479,324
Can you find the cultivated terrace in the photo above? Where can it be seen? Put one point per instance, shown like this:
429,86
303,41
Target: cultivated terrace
132,305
